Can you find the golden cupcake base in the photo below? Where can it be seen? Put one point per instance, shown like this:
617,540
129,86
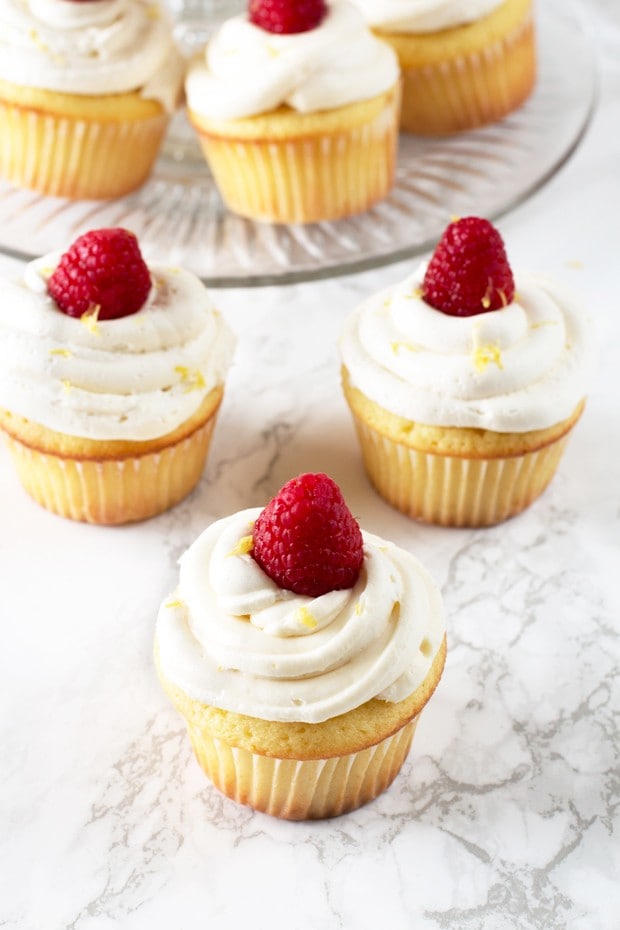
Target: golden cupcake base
455,476
286,167
115,482
301,771
79,147
467,76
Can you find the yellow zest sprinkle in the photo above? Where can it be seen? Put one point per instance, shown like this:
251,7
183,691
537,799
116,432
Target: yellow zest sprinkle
67,385
193,379
454,218
244,546
358,609
544,323
37,40
46,272
304,616
173,605
482,356
397,346
89,318
273,52
66,353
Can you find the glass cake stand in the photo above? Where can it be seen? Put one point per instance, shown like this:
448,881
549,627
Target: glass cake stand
179,217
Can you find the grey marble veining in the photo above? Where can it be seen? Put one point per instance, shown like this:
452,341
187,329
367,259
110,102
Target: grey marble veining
505,815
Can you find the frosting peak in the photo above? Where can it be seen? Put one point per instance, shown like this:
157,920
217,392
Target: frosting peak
232,638
136,377
107,47
520,368
246,70
423,15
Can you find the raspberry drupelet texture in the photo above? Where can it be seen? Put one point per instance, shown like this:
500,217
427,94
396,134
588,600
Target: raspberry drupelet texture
469,271
306,538
102,271
287,16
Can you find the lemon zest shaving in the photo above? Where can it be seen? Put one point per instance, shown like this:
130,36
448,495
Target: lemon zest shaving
193,379
544,323
90,317
67,386
244,546
65,353
408,346
359,609
484,355
36,39
304,616
172,605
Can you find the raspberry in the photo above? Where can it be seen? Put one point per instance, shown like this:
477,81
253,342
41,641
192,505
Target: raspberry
102,269
469,272
287,16
306,538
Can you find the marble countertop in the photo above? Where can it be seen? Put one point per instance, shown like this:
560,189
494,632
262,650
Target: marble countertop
504,817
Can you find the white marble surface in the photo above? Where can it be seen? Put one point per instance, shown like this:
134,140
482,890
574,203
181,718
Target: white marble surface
505,816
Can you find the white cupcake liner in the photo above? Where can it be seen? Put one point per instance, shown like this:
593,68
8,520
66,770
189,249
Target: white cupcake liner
71,157
456,491
306,789
113,491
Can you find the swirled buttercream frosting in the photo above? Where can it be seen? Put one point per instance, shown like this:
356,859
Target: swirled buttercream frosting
419,16
107,47
246,70
135,378
231,638
519,368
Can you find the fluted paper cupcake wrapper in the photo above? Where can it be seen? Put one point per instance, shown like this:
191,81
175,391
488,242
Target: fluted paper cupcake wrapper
308,789
113,491
470,90
308,179
454,491
70,157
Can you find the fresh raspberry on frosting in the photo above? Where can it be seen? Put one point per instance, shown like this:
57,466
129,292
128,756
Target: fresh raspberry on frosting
287,16
306,538
469,271
103,272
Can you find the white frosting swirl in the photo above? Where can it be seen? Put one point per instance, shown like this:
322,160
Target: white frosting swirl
133,378
107,47
411,16
247,71
520,368
231,638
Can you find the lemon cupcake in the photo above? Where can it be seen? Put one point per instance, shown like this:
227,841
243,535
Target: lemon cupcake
301,652
111,376
464,64
86,93
296,107
463,389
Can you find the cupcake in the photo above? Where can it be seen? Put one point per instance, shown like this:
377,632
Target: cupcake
463,389
111,376
301,652
86,93
464,64
296,107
